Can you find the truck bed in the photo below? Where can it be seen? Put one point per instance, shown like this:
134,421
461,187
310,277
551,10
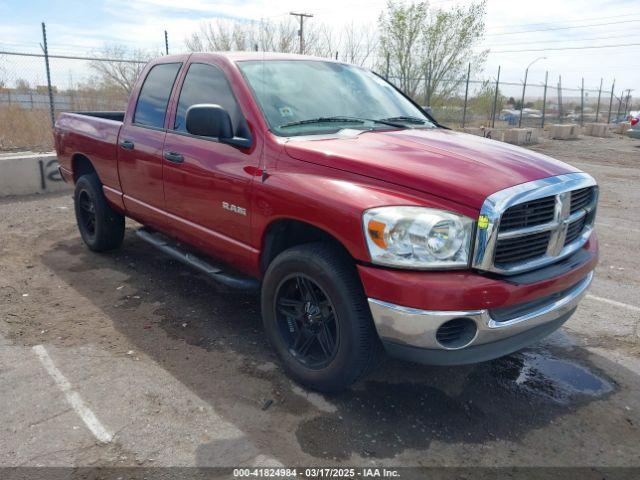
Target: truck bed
108,115
90,134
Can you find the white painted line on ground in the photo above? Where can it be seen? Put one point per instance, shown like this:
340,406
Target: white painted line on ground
633,308
76,402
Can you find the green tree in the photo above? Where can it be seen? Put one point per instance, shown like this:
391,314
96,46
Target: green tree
433,46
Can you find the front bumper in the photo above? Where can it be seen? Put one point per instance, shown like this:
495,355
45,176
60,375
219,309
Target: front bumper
417,334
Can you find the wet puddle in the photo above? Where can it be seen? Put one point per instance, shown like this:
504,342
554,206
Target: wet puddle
499,400
558,379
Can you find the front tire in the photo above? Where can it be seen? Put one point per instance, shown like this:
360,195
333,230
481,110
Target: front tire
101,227
317,318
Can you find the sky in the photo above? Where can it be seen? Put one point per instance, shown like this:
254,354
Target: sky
515,29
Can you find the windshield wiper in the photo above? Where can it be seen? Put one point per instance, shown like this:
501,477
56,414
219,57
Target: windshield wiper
338,119
414,120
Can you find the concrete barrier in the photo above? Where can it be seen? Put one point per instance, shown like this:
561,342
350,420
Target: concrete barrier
26,173
596,129
565,132
521,136
486,132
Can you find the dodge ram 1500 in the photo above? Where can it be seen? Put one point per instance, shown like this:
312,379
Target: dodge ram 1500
365,224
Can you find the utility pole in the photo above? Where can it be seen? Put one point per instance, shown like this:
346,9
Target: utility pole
301,16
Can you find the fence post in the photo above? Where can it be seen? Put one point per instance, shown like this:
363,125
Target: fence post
582,102
466,96
388,66
46,62
336,54
613,85
524,87
626,103
620,104
495,100
166,42
560,112
544,97
598,106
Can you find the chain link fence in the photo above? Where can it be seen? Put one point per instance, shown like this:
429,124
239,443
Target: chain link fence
28,101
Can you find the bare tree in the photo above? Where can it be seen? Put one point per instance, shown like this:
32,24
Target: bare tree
227,35
358,43
120,67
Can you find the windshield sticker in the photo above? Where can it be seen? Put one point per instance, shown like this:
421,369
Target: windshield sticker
285,112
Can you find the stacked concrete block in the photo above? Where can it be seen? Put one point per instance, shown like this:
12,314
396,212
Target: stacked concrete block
521,136
596,129
486,132
565,132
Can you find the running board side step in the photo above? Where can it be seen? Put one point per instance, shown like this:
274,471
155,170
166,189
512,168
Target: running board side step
163,244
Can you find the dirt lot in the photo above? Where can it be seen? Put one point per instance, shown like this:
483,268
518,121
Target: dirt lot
169,369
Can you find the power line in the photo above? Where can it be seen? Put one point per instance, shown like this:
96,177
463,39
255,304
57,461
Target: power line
564,22
563,28
567,48
557,41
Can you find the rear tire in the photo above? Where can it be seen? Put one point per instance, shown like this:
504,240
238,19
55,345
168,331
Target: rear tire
101,227
315,288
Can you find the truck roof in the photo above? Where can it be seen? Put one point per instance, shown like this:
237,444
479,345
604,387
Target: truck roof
249,55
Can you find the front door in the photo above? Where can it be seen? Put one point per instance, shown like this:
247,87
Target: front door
207,183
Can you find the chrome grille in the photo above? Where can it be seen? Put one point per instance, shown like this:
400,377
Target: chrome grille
535,212
536,223
512,250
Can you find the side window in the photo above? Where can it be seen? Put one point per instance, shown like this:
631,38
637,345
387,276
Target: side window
154,95
208,84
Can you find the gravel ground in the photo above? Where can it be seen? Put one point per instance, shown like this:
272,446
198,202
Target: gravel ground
130,359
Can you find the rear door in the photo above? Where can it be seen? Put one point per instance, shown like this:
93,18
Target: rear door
207,183
140,145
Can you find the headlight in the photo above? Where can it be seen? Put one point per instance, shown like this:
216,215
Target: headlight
417,237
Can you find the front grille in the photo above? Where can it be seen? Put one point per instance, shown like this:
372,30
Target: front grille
519,249
581,198
574,230
534,224
529,214
513,247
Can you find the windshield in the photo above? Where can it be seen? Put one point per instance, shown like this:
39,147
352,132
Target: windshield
305,97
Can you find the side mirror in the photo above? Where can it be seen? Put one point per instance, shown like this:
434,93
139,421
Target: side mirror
210,120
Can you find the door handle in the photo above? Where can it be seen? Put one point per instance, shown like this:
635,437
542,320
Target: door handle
174,157
127,144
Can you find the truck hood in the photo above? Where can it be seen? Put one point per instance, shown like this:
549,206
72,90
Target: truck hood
460,167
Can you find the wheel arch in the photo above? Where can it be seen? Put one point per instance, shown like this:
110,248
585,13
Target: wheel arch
285,233
81,165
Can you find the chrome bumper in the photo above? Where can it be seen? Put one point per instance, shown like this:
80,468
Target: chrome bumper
418,328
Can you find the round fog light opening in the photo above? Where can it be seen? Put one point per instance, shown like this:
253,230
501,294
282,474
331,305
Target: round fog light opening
456,333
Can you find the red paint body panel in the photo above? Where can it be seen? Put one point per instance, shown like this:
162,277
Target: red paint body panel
463,168
325,182
464,290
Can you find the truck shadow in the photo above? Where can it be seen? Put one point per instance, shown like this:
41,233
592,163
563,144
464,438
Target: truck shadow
228,363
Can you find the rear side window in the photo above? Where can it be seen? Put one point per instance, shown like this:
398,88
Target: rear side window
208,84
154,95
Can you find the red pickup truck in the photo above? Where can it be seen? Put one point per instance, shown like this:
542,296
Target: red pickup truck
366,225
